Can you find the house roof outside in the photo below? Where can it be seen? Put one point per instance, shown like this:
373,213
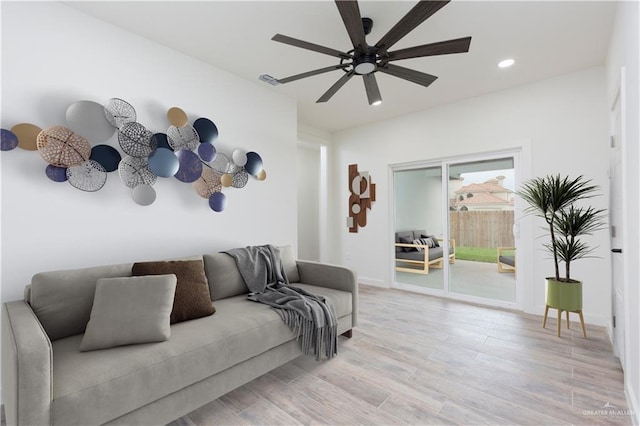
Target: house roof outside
489,193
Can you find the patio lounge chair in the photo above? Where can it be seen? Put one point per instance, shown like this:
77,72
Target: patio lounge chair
506,259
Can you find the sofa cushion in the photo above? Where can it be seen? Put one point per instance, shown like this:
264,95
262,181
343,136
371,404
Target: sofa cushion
62,300
129,310
192,299
225,279
223,276
96,387
434,253
289,264
99,386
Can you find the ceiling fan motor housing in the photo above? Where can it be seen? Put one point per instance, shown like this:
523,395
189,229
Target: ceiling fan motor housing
364,64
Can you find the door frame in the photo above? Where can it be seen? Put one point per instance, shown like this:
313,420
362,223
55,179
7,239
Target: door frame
517,152
620,98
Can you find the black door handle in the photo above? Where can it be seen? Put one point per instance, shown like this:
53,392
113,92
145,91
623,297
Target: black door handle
616,250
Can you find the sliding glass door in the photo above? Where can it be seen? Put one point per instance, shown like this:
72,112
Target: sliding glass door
455,236
418,220
481,218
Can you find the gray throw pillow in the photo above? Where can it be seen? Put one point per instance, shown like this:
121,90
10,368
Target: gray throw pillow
130,310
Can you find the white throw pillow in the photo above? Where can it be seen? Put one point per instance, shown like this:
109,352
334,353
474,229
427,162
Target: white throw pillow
130,310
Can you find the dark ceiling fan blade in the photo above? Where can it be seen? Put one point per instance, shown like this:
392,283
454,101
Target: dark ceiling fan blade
373,92
336,86
312,73
407,74
350,13
459,45
411,20
310,46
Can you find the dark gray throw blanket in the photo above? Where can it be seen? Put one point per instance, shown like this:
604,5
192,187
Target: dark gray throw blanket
311,317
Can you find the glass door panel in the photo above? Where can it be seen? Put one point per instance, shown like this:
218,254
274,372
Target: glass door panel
418,227
481,218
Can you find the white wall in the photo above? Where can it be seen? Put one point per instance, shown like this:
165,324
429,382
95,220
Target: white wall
308,165
562,123
418,201
624,51
52,56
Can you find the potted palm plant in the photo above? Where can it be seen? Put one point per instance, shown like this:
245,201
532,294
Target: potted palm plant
554,198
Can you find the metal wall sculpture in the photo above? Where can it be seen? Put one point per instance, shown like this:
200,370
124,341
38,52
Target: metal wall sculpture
75,153
363,193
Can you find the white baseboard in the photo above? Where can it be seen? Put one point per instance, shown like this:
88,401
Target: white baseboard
632,401
373,282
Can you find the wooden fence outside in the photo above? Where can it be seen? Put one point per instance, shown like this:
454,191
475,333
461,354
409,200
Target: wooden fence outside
482,228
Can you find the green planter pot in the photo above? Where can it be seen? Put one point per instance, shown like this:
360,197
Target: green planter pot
564,296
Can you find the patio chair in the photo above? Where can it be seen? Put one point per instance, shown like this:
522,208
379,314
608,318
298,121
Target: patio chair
507,259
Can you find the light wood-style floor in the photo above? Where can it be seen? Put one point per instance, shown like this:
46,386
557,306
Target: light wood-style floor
421,360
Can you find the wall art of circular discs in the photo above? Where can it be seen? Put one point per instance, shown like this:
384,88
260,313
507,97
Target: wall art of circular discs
8,140
143,195
106,155
223,165
56,174
218,201
89,176
87,118
240,179
119,112
60,146
136,140
135,171
208,183
206,129
207,151
27,134
190,166
184,137
177,116
163,162
254,163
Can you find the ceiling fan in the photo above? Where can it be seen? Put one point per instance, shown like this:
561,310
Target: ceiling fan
366,60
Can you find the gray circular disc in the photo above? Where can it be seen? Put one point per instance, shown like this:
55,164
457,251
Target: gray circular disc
143,194
87,119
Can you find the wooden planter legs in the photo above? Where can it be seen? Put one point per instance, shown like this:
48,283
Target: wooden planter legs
546,311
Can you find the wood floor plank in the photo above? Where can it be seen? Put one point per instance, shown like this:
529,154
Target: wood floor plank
421,360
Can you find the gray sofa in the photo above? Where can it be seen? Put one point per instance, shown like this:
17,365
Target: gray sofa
418,258
48,381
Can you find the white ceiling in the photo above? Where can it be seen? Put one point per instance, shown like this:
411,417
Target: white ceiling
546,38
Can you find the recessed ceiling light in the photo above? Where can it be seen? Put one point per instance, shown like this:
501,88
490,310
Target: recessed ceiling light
506,63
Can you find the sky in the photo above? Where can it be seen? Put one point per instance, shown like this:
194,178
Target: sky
480,177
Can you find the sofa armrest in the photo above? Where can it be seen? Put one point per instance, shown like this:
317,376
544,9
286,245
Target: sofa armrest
27,371
331,276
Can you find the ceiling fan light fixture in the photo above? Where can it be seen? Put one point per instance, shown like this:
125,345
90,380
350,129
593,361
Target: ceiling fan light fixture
365,64
376,103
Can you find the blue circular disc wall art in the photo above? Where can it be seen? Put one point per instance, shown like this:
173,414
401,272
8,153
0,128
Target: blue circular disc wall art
207,130
56,174
107,156
218,201
190,168
254,163
207,151
163,162
8,140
